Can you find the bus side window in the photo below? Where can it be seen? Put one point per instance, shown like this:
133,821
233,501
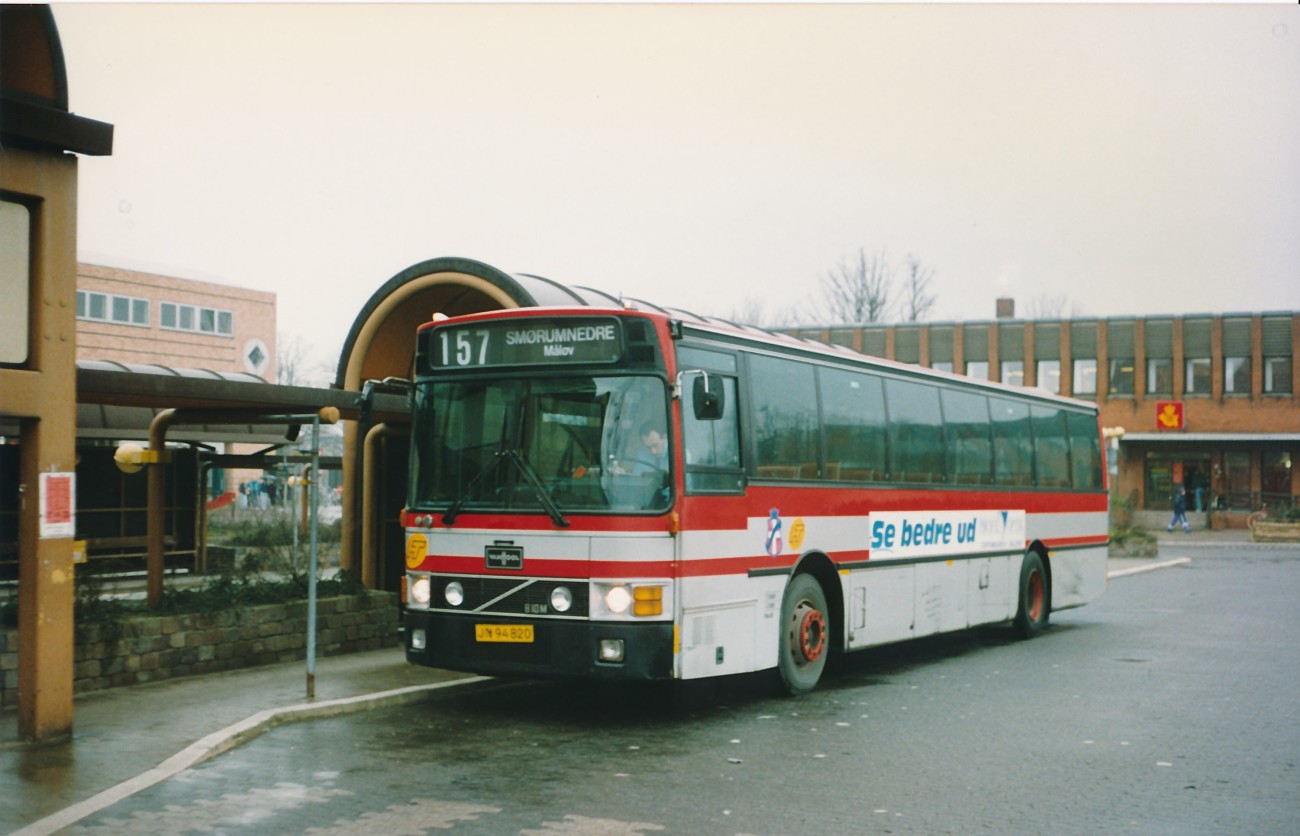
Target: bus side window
1051,447
1013,452
1085,450
784,412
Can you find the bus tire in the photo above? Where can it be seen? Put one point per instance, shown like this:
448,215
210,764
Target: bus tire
1035,607
805,635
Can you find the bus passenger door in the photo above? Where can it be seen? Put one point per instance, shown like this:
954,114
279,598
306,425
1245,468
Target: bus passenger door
718,614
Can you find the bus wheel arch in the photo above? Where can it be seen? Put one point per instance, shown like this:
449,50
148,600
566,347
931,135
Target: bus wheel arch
812,613
1034,592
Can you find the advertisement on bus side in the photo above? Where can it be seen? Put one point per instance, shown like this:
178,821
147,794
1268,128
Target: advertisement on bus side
908,534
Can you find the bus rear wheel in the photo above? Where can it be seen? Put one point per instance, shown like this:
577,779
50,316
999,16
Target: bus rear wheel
805,639
1034,608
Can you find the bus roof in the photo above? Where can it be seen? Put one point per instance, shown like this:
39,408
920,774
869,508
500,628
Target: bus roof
739,335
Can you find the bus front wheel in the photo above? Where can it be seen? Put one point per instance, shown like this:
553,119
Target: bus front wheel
1034,608
805,639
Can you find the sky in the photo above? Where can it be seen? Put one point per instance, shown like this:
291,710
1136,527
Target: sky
1122,160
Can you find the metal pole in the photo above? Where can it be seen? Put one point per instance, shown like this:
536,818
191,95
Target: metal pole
293,491
313,492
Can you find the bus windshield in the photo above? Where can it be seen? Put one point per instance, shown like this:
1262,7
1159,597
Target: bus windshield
557,445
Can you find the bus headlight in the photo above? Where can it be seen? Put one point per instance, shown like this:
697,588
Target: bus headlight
561,599
618,599
454,594
419,594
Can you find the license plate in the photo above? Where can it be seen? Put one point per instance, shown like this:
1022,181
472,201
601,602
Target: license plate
522,633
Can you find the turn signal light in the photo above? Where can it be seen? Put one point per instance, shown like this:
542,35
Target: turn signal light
648,600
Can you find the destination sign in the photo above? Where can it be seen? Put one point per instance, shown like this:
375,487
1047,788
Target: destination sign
525,342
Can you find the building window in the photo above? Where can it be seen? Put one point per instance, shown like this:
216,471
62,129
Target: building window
1013,372
1275,342
1160,376
1085,377
842,336
1159,350
941,347
1277,375
109,307
1049,376
1236,375
1120,377
177,317
978,369
1197,380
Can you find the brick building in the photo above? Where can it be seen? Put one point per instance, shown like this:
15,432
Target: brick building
1209,401
134,317
138,318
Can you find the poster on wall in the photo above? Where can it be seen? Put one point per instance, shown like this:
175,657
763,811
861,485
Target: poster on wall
58,508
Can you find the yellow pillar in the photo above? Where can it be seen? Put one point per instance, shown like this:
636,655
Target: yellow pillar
41,393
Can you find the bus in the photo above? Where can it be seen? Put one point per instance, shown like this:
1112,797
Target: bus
643,494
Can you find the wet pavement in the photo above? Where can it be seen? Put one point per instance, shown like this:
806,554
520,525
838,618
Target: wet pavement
127,739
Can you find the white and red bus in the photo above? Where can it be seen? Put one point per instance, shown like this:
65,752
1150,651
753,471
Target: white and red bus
631,494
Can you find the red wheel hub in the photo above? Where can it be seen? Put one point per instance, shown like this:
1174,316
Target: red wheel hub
812,633
1034,596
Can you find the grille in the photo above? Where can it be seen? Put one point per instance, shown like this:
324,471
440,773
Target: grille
513,596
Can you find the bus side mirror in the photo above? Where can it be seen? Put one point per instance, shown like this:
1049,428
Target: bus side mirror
707,398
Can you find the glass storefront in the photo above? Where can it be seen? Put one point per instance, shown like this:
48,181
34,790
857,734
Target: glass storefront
1166,471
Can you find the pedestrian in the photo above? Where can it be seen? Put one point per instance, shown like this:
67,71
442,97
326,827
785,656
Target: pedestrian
1180,510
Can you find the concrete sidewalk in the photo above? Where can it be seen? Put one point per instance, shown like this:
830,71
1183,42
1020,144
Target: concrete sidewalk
126,739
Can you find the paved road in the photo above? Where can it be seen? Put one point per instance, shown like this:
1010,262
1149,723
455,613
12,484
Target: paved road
1169,706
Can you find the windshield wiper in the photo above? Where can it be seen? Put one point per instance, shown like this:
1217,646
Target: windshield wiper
530,476
454,511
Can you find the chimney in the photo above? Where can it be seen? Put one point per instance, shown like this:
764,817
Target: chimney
1006,308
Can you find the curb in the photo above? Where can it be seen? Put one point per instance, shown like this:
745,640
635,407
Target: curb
1138,570
230,737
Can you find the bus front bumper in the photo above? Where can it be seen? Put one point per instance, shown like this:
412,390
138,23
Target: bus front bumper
557,649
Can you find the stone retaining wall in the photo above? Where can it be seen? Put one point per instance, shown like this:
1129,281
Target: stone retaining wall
151,648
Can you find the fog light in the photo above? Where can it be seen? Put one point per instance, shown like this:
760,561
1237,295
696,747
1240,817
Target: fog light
454,593
561,599
420,591
417,639
611,650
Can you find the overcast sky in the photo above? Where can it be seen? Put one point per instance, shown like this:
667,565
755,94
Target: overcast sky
1133,160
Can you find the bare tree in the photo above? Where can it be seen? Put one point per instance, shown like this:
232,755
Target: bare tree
752,311
917,299
290,359
295,364
749,311
1052,306
858,289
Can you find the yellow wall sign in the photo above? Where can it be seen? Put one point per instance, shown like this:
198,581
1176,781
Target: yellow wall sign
796,534
417,548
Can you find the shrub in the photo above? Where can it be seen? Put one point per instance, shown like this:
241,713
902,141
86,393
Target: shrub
1126,536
